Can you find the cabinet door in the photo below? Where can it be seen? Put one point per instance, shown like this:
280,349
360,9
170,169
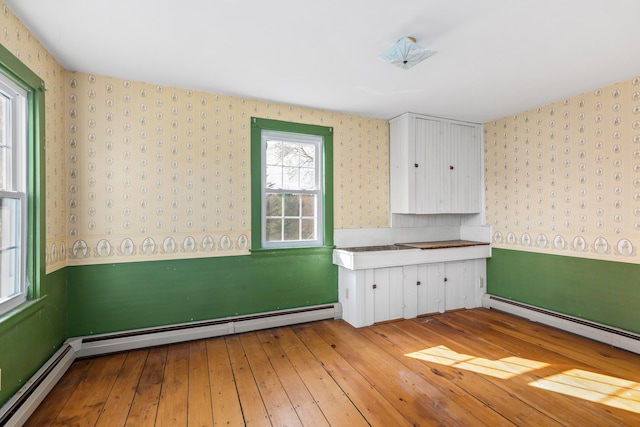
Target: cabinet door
431,156
384,294
429,284
460,279
438,287
463,167
420,289
454,289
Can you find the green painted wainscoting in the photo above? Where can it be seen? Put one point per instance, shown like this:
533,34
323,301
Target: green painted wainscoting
30,335
601,291
117,297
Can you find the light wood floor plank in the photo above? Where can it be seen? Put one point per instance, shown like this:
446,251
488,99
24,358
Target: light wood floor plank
144,409
118,404
373,406
464,366
172,408
88,399
274,397
473,392
589,352
224,396
305,406
418,400
253,409
566,409
332,400
200,412
50,407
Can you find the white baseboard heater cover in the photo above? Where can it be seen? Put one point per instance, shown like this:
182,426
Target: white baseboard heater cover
20,407
595,331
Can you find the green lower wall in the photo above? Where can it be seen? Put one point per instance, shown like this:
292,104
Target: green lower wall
602,291
116,297
30,336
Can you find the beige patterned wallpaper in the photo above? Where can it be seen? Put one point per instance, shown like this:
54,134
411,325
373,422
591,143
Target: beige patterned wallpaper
157,172
21,42
564,178
136,171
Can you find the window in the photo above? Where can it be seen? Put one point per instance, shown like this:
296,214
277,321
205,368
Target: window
13,194
291,189
22,192
292,185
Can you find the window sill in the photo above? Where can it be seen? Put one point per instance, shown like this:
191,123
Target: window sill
11,318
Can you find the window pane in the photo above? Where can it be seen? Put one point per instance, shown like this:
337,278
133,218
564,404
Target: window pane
274,153
5,144
308,229
291,229
9,247
274,230
308,204
274,177
307,179
291,205
308,155
274,204
290,154
291,178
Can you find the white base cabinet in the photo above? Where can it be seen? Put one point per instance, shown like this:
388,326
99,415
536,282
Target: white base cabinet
375,295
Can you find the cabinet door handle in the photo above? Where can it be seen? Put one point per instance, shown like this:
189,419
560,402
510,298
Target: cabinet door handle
445,279
451,167
374,286
415,165
418,283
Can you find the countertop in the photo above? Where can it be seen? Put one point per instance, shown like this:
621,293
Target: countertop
401,254
442,244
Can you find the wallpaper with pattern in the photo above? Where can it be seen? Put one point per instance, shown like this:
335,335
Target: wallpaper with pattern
564,178
157,172
21,42
136,171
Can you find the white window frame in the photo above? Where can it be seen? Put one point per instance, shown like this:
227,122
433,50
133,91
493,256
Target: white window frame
16,190
317,141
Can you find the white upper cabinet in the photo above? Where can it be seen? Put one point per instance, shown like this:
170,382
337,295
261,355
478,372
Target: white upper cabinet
436,165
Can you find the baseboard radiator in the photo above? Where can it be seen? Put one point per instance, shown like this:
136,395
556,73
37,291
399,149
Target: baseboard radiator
20,407
596,331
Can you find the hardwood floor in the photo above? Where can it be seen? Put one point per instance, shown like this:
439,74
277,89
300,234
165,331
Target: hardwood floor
464,368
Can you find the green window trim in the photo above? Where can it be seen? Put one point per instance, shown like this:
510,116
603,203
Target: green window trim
22,75
257,126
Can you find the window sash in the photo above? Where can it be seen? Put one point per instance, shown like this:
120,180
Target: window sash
13,196
13,241
15,136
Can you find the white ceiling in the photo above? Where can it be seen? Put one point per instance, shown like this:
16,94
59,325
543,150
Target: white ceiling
495,57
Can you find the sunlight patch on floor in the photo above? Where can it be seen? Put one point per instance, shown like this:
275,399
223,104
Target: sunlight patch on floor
610,391
505,368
